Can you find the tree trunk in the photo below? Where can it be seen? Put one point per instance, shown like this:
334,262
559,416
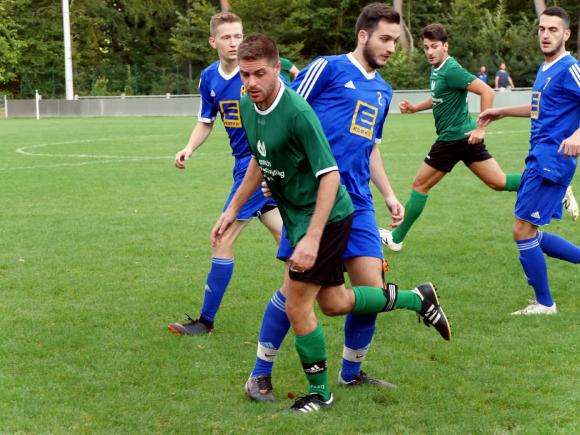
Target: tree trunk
540,6
406,39
225,5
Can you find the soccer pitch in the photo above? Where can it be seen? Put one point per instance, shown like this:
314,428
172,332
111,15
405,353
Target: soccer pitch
104,243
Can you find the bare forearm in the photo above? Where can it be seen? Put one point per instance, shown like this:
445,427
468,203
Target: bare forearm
327,190
198,136
424,105
378,174
523,111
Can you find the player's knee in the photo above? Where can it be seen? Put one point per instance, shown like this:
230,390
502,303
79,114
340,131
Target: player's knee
331,310
523,230
420,186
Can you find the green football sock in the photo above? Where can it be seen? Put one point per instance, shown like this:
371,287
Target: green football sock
369,300
408,300
413,209
512,182
312,351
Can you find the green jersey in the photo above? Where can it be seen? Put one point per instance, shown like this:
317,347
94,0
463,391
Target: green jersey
292,151
449,94
285,67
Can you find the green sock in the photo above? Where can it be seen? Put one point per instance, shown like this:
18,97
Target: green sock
512,182
369,300
312,351
413,209
409,300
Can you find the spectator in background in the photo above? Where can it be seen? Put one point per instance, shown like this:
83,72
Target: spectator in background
482,74
288,70
503,79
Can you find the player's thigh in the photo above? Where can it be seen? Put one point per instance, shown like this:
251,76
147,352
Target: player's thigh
489,171
225,247
367,271
427,177
335,300
273,221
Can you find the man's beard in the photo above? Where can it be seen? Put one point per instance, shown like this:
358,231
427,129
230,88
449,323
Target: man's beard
369,57
556,50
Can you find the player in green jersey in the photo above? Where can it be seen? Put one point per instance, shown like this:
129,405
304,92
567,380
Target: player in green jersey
292,154
458,136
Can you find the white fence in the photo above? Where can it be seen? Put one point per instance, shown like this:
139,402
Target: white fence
188,105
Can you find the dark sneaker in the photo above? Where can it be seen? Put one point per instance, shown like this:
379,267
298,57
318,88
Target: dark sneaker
260,388
431,311
363,379
311,403
193,327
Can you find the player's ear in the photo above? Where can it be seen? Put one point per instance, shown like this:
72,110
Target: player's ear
211,41
363,36
567,34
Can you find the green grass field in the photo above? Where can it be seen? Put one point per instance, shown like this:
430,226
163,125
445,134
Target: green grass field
104,242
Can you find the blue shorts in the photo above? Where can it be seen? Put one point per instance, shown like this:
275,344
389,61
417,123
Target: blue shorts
253,207
539,199
364,240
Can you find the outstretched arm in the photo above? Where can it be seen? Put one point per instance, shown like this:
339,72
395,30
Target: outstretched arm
490,115
198,136
381,181
407,107
250,183
487,95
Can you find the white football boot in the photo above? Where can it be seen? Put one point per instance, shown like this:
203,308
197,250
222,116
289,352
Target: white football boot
570,204
387,238
535,308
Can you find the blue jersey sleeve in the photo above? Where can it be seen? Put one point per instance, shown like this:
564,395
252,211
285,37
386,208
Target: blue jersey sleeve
379,136
312,79
207,108
572,82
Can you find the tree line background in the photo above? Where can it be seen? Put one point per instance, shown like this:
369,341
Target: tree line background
159,46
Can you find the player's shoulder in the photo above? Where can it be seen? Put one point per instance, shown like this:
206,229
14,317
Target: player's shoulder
294,100
451,64
211,70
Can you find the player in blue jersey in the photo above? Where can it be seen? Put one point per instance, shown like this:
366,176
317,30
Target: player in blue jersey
552,158
351,100
221,89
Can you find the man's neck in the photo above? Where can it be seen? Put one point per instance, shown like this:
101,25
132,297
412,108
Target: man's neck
228,66
552,58
265,105
358,55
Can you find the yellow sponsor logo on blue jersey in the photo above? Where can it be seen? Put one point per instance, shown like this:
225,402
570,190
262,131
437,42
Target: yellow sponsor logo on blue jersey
364,119
535,112
230,110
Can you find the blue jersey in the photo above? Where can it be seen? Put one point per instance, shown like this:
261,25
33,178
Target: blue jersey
555,116
221,93
352,106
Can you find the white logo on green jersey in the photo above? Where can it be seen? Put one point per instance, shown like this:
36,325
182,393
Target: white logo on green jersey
262,148
433,84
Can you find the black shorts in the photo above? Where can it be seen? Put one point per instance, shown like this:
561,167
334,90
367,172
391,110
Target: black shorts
328,269
444,155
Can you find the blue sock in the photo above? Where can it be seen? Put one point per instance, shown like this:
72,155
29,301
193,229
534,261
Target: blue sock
558,247
534,264
216,284
358,334
275,326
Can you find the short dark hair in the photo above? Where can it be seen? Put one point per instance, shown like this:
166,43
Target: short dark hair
372,14
258,46
556,11
435,32
221,18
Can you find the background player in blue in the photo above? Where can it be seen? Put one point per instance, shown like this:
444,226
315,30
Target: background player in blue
551,161
351,100
221,89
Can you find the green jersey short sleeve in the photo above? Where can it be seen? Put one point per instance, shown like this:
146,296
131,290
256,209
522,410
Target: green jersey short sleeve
285,67
449,84
292,151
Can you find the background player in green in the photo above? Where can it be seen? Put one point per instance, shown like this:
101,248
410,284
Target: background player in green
292,153
288,70
458,136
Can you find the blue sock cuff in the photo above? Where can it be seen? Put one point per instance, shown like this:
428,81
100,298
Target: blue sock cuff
279,301
220,261
524,245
